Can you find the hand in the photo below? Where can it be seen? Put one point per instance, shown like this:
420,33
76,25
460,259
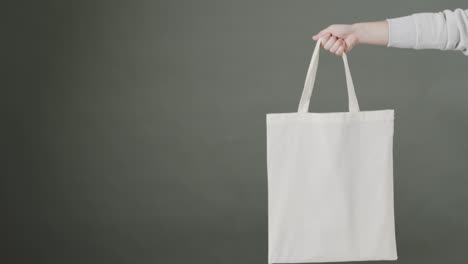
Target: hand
338,39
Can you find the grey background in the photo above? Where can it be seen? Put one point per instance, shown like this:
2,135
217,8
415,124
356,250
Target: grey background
135,130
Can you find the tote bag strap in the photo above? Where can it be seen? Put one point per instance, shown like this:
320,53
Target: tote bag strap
310,80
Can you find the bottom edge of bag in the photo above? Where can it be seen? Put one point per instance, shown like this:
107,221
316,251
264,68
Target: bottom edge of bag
323,260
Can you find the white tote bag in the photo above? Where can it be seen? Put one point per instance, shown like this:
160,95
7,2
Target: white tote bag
330,182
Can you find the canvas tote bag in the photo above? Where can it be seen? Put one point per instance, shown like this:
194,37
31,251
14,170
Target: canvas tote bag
330,182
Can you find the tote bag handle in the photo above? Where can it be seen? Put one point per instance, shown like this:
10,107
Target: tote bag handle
310,80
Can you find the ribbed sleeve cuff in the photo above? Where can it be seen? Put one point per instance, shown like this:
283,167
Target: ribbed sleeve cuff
402,32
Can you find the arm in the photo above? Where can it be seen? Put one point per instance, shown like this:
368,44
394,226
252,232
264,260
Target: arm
447,30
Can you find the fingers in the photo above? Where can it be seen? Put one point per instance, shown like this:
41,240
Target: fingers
338,43
325,38
329,44
340,51
332,43
350,43
337,38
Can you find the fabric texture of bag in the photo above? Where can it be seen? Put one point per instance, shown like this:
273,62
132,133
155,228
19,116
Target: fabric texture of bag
330,182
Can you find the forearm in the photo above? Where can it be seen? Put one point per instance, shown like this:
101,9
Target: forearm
373,33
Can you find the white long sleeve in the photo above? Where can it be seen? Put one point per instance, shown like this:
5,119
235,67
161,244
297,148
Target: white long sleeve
446,30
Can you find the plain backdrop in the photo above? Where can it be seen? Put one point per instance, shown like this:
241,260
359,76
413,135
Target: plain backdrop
134,131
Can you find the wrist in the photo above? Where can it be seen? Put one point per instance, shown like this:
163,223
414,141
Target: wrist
374,33
359,32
